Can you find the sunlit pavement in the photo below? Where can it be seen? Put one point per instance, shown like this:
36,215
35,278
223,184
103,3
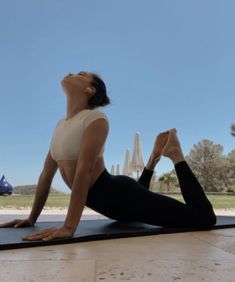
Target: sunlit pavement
194,256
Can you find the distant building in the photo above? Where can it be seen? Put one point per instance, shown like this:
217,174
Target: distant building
127,169
137,162
118,169
132,165
112,170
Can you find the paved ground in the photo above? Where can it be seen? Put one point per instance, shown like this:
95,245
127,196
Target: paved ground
196,256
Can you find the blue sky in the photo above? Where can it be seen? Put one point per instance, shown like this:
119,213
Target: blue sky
166,64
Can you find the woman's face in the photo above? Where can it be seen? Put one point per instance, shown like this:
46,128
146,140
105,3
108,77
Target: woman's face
77,82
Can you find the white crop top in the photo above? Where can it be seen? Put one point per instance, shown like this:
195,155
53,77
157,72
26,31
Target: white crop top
67,137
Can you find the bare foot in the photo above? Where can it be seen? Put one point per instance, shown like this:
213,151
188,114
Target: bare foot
172,148
159,144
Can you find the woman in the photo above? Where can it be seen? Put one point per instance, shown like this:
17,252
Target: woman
77,150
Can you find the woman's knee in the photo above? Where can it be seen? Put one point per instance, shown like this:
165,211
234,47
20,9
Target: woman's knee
212,218
209,219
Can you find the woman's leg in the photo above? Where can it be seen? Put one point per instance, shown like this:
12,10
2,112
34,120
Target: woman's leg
145,177
198,211
140,204
191,189
124,199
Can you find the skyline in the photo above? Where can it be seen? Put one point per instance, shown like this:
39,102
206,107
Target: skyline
166,64
125,168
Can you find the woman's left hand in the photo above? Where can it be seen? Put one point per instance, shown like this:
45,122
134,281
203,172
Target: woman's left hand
49,234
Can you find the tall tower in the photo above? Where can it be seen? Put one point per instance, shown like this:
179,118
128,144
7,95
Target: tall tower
112,170
127,169
137,161
118,169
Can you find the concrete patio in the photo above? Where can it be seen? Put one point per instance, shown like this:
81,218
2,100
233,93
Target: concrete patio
195,256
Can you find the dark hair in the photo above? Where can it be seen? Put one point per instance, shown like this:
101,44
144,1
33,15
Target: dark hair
100,98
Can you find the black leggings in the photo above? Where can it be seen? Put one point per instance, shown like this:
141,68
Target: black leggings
124,199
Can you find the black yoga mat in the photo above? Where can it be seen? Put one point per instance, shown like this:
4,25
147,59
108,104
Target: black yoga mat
90,230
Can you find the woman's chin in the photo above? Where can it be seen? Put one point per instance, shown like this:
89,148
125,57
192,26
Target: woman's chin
64,85
64,82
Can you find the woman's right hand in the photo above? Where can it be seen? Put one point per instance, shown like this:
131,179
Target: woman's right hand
18,223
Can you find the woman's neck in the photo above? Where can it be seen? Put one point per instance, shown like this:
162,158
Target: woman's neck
74,107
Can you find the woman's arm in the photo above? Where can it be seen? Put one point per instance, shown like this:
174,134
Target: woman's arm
42,191
43,187
93,141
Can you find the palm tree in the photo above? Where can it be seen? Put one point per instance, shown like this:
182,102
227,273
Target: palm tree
233,129
168,179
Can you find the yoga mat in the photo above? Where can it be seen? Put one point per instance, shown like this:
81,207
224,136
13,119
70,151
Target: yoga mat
90,230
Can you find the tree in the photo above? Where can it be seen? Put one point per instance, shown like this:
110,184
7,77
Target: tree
233,129
230,167
168,179
209,165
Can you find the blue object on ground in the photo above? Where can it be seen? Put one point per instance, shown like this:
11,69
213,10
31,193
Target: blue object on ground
5,187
